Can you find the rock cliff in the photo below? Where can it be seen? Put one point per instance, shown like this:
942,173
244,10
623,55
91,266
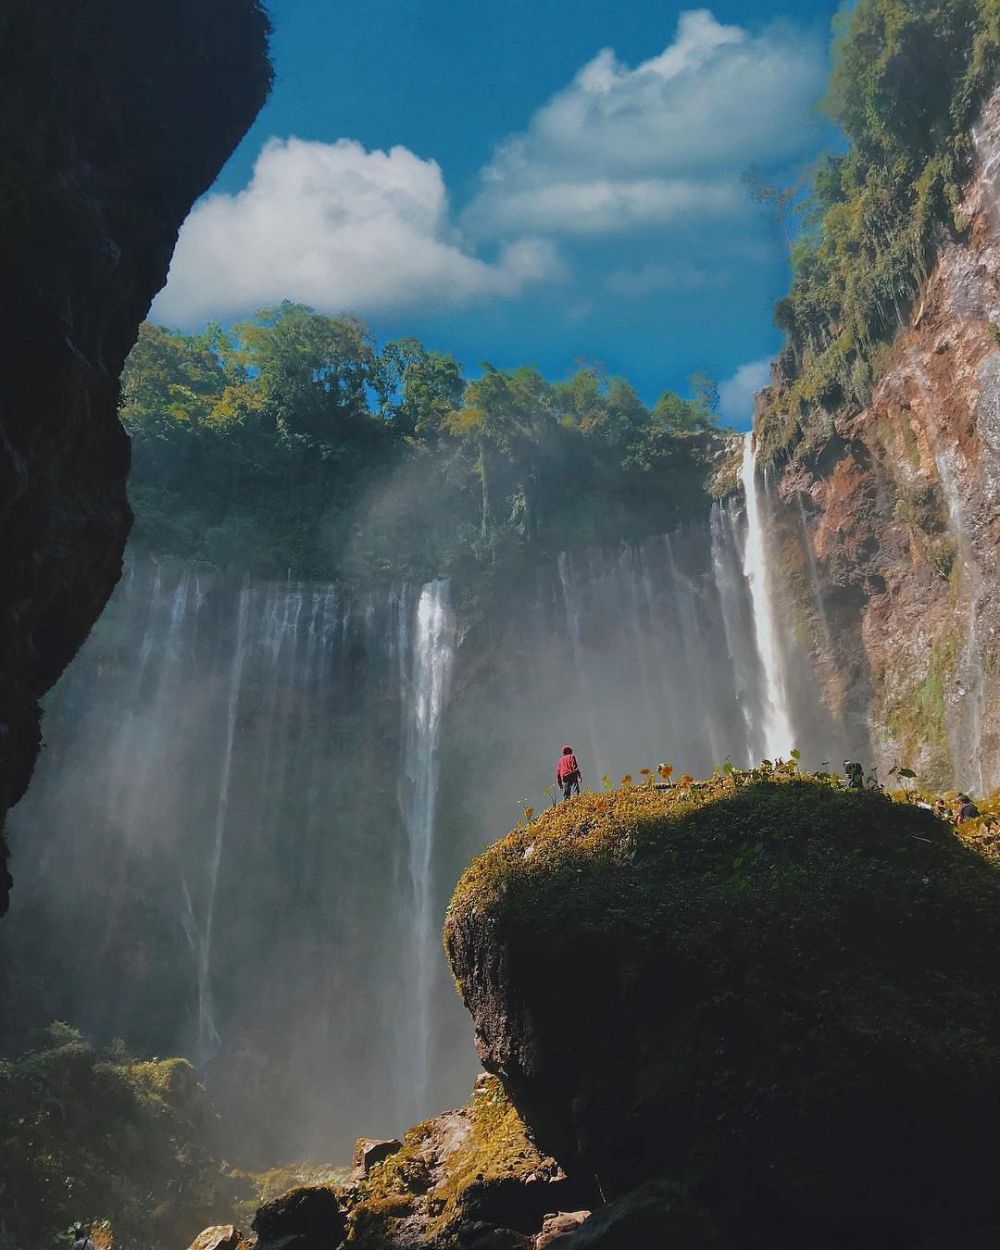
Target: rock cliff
114,117
769,996
887,528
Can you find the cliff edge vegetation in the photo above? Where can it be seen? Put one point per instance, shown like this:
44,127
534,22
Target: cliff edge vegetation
907,85
769,993
295,441
103,1138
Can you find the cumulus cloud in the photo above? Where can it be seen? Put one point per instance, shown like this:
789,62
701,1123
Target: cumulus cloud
736,393
666,140
337,227
648,159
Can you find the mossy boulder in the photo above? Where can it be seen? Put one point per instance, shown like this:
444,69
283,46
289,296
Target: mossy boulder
779,995
306,1218
467,1176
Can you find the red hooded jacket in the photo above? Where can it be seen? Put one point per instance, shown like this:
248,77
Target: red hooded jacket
567,765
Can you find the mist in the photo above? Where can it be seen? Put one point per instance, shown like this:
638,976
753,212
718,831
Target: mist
257,796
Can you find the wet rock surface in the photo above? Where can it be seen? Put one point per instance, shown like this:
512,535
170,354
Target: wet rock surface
755,996
900,507
556,1227
468,1178
114,118
372,1150
306,1218
221,1237
642,1219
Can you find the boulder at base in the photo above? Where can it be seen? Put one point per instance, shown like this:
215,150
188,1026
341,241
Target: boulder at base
469,1178
221,1237
779,996
306,1218
371,1150
643,1220
556,1227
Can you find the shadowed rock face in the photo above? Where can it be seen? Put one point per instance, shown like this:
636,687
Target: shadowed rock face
754,996
114,117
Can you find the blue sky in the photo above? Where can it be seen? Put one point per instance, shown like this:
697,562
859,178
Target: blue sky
522,182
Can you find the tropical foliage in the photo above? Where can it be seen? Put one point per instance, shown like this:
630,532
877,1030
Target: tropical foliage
107,1140
909,76
294,441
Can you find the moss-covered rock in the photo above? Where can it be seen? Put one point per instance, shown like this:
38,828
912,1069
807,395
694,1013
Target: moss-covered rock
463,1174
306,1218
778,994
102,1138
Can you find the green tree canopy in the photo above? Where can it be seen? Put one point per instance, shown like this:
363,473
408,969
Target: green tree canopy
293,441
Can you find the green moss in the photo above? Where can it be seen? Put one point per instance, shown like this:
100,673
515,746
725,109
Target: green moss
917,718
726,477
262,1187
878,210
723,983
489,1145
99,1137
741,824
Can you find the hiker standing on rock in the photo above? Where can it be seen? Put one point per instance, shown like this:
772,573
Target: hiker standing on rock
967,810
568,773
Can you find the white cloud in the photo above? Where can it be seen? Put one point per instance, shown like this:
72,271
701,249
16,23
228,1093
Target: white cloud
666,140
737,393
337,227
649,156
608,206
669,276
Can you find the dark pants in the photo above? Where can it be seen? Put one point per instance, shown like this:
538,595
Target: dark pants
570,783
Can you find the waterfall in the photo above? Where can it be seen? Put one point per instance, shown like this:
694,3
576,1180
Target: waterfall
573,614
424,695
776,721
737,623
209,1039
240,839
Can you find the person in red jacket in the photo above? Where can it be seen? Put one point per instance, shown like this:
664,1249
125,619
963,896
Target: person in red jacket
568,773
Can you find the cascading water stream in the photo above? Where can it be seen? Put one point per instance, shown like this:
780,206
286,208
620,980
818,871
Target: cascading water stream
776,723
573,613
208,1033
731,589
692,641
424,697
272,757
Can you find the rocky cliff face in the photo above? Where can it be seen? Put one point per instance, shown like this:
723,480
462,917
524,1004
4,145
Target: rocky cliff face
762,995
887,530
114,117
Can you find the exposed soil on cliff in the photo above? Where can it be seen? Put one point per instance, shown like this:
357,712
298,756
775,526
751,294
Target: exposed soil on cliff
902,507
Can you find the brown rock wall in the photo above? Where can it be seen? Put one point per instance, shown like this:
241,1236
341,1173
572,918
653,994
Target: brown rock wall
903,514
